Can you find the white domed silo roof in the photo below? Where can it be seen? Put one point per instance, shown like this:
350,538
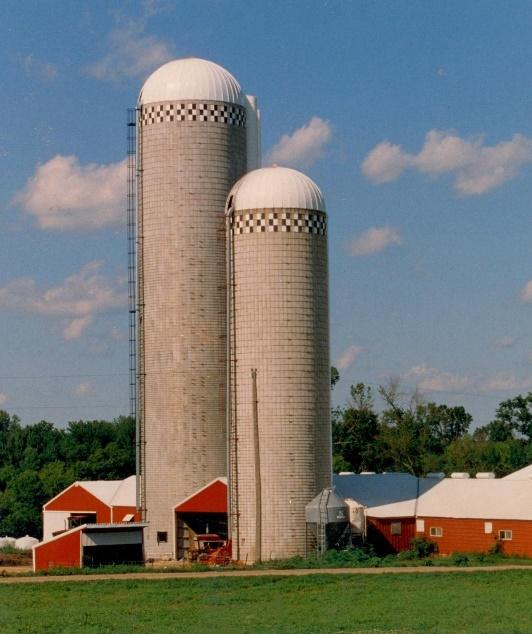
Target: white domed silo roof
276,188
191,78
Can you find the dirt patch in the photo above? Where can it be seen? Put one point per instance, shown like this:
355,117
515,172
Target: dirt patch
10,560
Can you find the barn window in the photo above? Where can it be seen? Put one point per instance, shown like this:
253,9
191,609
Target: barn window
488,528
395,528
505,536
162,536
436,531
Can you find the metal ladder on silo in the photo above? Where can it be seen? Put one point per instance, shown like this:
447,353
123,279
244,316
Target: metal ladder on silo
322,525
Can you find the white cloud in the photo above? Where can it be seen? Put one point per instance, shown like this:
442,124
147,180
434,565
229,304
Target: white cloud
503,382
302,147
83,389
374,240
63,194
435,380
75,328
45,71
3,398
505,342
477,168
348,357
131,53
385,163
526,293
78,298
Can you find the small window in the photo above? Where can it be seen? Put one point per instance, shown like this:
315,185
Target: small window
436,531
488,528
395,528
420,526
505,536
162,536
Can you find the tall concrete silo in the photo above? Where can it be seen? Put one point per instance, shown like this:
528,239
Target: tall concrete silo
280,380
192,147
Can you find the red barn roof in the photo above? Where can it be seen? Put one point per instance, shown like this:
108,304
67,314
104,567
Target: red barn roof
212,498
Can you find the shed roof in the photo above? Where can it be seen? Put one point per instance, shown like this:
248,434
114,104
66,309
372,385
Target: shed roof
110,492
212,498
522,474
478,499
384,494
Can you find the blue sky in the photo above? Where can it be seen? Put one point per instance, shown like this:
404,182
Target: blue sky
413,117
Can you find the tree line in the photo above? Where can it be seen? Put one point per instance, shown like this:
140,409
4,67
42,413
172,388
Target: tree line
38,461
405,434
411,435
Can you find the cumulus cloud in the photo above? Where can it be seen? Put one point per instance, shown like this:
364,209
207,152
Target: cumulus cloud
78,298
63,194
3,398
131,52
503,382
435,380
477,168
83,389
348,357
526,293
374,240
304,146
385,163
34,67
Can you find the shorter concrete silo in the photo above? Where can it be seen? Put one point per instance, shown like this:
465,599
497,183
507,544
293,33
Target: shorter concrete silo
280,436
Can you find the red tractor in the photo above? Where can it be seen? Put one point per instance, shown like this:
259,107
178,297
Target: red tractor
211,549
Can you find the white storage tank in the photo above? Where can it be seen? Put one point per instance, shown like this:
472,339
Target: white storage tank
281,431
26,542
191,149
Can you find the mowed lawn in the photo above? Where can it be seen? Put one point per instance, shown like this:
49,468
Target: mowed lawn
452,602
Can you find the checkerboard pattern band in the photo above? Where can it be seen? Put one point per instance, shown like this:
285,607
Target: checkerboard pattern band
230,114
281,221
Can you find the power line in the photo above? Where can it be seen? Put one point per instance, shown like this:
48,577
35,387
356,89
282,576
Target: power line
74,406
61,376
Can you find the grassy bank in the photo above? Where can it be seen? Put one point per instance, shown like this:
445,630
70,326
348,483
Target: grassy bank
355,558
475,602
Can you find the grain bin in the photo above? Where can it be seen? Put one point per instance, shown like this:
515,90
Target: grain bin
191,150
280,435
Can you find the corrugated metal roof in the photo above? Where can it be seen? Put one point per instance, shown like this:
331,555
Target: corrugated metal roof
112,492
478,499
104,490
383,494
523,474
388,495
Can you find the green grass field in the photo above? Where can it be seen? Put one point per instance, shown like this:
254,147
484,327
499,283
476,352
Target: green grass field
455,602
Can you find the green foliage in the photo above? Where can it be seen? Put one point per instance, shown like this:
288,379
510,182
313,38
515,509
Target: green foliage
444,603
422,548
412,436
38,461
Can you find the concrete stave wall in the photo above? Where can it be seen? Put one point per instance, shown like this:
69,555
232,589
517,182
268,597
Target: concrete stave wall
188,168
281,328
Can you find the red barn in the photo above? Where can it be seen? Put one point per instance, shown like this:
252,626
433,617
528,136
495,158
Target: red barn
389,504
475,515
90,502
91,545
